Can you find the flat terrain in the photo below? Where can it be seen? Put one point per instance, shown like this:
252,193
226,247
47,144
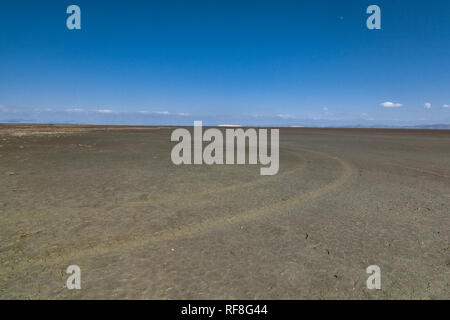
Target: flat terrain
109,200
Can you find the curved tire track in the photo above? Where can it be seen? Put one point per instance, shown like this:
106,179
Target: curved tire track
192,230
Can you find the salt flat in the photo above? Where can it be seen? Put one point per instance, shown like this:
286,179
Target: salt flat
109,200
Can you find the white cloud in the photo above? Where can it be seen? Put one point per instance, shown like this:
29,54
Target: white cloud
446,106
285,116
165,113
9,110
229,125
104,111
42,110
427,105
389,104
74,110
154,112
325,109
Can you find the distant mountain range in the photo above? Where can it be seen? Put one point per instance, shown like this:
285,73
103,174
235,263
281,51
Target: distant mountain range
424,126
431,126
212,122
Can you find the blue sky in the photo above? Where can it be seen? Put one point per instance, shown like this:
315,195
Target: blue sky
241,62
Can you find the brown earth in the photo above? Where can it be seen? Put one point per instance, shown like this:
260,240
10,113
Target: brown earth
109,200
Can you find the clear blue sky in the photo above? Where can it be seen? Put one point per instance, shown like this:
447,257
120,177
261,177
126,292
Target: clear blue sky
244,62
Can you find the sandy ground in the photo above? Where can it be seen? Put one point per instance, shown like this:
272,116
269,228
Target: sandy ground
109,200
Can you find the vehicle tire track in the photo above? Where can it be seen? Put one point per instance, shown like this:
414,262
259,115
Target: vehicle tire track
281,207
418,170
228,188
